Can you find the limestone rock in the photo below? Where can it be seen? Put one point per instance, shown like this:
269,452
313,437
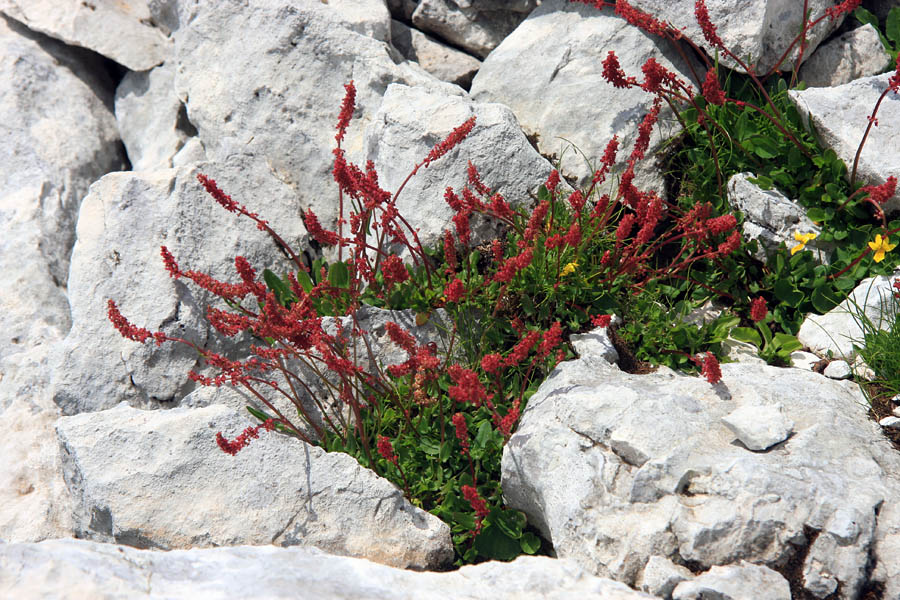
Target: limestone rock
857,53
122,224
839,116
744,581
616,468
442,61
760,30
771,218
151,118
661,575
407,126
263,85
838,369
122,30
85,570
759,427
59,135
156,479
549,71
476,25
839,329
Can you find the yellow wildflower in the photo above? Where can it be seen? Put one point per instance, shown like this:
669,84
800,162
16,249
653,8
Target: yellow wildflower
804,239
880,246
569,268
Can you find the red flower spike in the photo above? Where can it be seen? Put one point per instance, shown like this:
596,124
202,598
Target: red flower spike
467,389
386,449
401,337
218,195
169,261
879,194
731,244
709,367
475,181
711,90
455,291
719,225
243,440
477,504
129,331
491,363
573,236
601,320
522,348
758,309
318,233
462,431
894,81
452,200
641,19
449,252
394,271
552,181
576,201
847,6
613,73
709,30
347,106
552,339
455,137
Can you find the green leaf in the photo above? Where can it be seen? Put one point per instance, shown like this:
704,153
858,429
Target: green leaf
510,522
746,334
529,543
282,292
764,147
430,446
304,280
787,293
493,543
865,17
820,215
824,298
339,276
892,25
258,413
543,194
786,343
446,451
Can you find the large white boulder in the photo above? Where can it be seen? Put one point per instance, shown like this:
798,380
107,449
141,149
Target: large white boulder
549,72
122,30
156,479
84,570
615,469
839,116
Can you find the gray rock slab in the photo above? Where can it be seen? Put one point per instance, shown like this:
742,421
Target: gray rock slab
616,468
744,581
549,71
411,120
661,575
857,53
122,30
758,31
59,135
156,479
151,118
475,25
771,218
122,224
79,569
839,329
839,117
759,427
263,83
838,369
34,502
442,61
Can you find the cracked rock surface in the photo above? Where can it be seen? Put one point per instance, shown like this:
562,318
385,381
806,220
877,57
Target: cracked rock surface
616,469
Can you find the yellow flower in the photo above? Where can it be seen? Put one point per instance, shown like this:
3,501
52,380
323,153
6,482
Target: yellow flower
569,268
804,239
880,246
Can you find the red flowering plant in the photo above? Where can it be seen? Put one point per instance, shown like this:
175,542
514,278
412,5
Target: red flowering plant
743,120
